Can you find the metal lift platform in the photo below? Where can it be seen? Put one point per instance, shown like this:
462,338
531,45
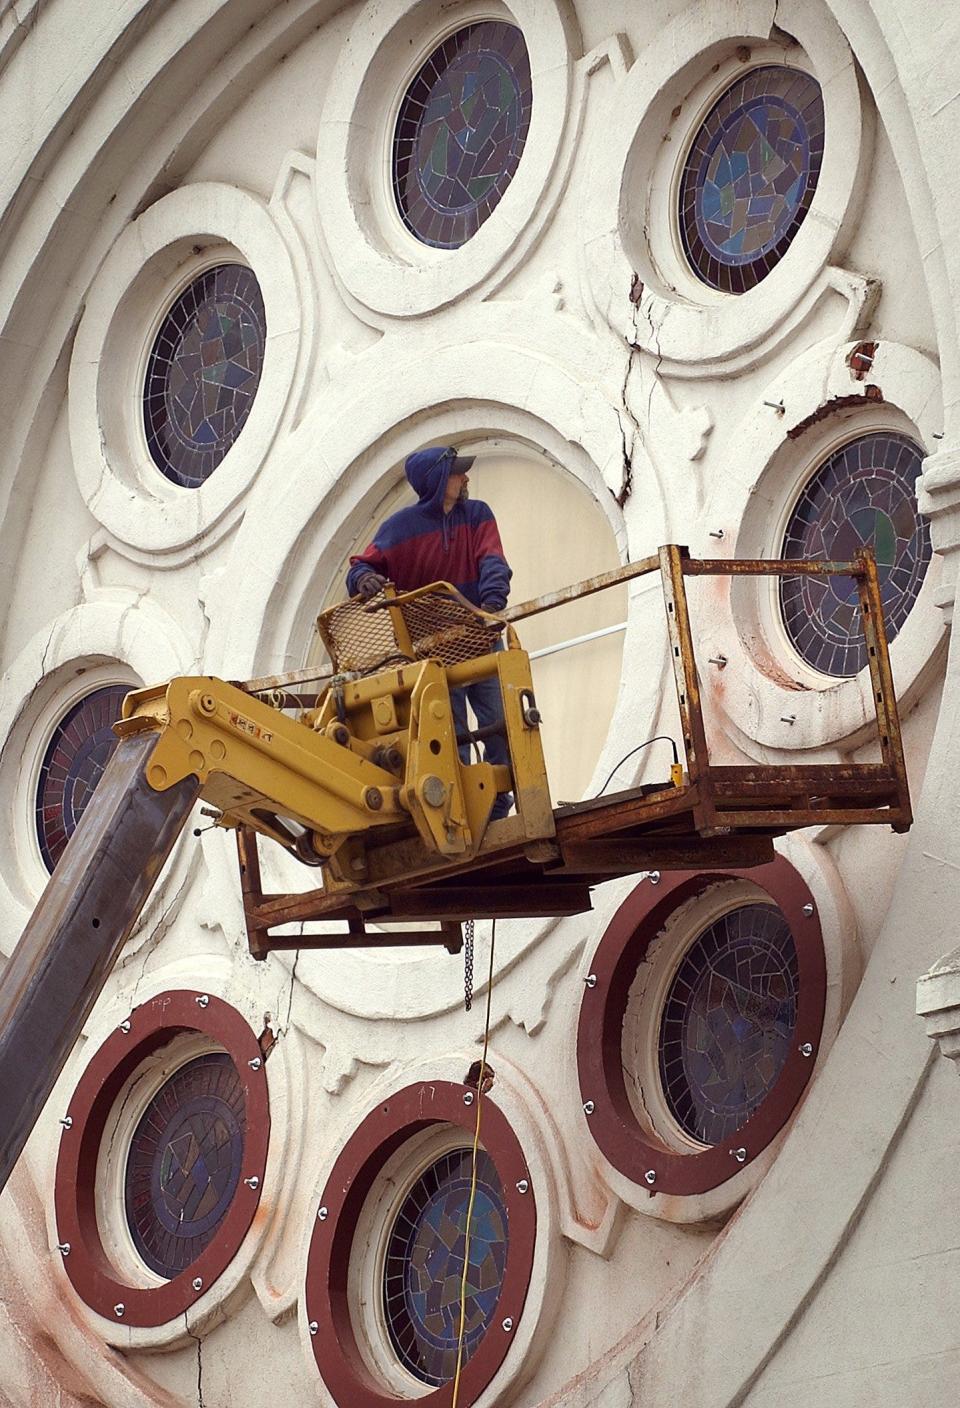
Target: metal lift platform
707,817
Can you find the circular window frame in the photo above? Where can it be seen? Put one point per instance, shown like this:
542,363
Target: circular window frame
835,434
397,232
264,633
680,275
148,1301
154,260
677,318
212,257
628,1147
765,683
379,261
124,642
396,1126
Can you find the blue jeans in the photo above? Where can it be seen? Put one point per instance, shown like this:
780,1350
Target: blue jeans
484,699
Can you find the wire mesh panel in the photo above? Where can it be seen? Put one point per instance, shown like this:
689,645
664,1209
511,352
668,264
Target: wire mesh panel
446,629
440,627
364,641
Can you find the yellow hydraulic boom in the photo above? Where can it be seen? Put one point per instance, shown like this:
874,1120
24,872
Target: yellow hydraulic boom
379,751
367,783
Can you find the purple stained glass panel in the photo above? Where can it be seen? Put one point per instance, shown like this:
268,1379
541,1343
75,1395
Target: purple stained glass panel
423,1269
184,1162
750,176
864,495
460,132
728,1022
73,764
203,373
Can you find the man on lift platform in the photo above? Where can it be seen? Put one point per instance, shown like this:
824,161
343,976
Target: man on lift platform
446,536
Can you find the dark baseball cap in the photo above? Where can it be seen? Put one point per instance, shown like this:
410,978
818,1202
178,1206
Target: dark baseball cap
462,464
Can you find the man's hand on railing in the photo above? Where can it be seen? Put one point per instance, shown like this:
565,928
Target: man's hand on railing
369,585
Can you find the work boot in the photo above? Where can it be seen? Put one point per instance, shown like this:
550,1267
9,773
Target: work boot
502,806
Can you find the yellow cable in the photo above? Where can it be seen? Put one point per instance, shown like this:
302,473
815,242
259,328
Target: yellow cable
473,1178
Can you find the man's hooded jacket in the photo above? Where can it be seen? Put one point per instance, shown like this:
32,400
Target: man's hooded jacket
422,544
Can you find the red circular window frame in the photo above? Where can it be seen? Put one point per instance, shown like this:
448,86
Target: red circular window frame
612,1122
355,1173
152,1026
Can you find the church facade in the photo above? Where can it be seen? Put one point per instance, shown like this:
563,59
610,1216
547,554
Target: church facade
679,273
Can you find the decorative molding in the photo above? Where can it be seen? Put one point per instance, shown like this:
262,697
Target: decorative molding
176,237
380,265
938,1003
770,455
639,281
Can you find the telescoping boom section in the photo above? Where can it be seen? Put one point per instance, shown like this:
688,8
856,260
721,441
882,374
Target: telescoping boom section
364,781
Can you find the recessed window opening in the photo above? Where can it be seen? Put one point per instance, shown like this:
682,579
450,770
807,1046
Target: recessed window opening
460,133
184,1162
423,1265
728,1022
203,373
73,764
863,495
750,176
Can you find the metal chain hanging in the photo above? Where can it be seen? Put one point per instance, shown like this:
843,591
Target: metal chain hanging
468,965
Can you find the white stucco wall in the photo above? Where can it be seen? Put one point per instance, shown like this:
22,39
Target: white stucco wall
158,137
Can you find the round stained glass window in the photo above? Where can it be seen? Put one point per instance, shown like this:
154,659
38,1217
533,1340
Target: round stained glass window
864,495
184,1163
728,1022
750,176
423,1270
460,133
203,373
72,766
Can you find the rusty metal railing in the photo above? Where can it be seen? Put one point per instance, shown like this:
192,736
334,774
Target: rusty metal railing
674,565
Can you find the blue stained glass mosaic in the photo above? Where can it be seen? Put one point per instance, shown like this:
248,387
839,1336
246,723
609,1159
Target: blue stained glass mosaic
750,176
184,1163
73,764
728,1022
460,132
203,373
864,495
423,1269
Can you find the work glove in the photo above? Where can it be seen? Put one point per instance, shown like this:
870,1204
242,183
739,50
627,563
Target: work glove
493,608
369,585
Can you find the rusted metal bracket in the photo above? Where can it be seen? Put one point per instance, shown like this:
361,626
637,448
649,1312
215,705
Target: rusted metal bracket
261,941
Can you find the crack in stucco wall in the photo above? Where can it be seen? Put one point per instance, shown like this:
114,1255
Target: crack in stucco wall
199,1343
293,982
628,445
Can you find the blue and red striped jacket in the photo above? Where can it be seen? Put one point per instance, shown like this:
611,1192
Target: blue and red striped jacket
422,544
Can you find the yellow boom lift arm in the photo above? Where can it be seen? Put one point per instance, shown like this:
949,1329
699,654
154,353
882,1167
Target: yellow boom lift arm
366,782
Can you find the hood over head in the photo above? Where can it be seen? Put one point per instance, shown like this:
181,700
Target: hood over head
427,472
